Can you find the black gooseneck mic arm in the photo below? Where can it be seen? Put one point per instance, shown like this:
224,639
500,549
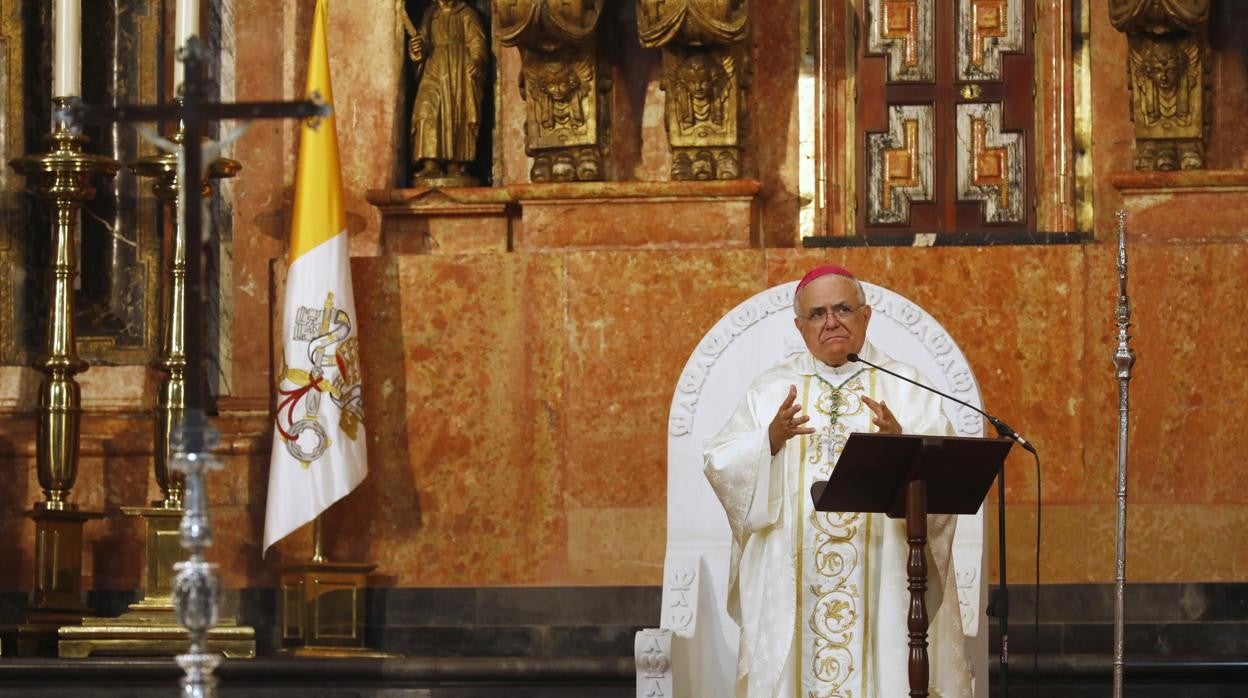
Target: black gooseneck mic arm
999,604
1004,430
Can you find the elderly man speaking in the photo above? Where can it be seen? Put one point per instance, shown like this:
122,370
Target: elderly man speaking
821,597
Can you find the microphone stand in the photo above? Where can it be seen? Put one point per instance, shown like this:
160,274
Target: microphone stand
999,604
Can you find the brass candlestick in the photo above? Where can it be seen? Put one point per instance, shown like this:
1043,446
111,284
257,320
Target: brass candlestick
171,400
150,626
62,179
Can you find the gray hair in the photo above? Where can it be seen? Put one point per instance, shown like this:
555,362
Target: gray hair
858,291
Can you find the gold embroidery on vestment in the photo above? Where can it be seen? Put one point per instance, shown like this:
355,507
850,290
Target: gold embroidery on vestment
835,611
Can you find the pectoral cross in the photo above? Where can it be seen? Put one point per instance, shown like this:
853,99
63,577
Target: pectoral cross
195,112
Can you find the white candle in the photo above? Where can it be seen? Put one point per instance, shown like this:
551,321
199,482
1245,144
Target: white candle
186,25
67,59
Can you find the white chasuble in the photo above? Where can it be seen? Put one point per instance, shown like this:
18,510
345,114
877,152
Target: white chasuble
821,598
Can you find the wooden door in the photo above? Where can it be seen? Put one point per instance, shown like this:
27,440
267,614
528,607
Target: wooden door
945,113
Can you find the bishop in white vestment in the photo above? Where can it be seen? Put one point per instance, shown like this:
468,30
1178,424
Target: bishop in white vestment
821,598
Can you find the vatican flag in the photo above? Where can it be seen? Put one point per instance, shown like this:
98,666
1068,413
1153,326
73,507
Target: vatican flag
319,453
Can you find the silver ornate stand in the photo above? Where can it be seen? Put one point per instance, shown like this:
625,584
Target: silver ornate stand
1124,358
196,584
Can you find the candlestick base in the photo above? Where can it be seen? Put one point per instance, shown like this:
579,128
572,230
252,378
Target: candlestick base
56,601
151,634
150,627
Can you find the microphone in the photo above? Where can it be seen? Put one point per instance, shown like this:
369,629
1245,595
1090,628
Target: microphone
1004,430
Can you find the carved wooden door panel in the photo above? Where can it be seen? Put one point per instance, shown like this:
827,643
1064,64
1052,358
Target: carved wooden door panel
945,115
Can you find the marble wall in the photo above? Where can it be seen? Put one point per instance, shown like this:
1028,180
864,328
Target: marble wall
517,397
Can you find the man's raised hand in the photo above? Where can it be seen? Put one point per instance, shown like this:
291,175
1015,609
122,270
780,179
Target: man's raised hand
882,417
786,424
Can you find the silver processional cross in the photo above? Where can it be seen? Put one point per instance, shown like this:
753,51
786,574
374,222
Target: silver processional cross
195,587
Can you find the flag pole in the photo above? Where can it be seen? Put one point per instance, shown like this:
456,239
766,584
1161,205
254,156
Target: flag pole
319,454
318,541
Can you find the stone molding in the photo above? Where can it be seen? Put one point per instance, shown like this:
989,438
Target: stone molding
557,216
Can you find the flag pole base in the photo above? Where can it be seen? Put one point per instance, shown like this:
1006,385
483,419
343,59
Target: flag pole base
323,607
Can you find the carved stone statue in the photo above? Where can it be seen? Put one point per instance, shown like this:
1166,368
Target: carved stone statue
1166,46
565,84
703,80
450,53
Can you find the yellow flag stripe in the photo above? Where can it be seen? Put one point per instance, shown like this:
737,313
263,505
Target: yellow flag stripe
318,212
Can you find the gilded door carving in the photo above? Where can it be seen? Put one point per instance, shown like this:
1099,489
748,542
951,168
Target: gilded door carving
945,116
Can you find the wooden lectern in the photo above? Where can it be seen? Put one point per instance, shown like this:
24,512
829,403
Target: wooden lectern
911,476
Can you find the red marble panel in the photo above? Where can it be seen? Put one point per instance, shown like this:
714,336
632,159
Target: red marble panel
639,149
19,488
656,153
1228,77
1156,542
622,546
558,224
1210,538
1194,205
633,318
1187,387
478,498
1054,112
1099,408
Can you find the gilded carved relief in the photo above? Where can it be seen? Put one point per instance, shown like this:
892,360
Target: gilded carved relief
565,83
1166,64
703,80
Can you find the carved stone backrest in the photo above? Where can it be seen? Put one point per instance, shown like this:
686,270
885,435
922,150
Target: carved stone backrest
752,337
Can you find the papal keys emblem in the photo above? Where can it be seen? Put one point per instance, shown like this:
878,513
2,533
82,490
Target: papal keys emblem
333,355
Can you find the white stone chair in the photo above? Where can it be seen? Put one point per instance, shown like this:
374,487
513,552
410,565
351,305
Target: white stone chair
693,652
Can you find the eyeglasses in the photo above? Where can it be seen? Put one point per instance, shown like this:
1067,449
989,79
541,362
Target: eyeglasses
840,311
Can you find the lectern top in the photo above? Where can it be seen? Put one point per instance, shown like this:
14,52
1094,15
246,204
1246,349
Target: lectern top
873,470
